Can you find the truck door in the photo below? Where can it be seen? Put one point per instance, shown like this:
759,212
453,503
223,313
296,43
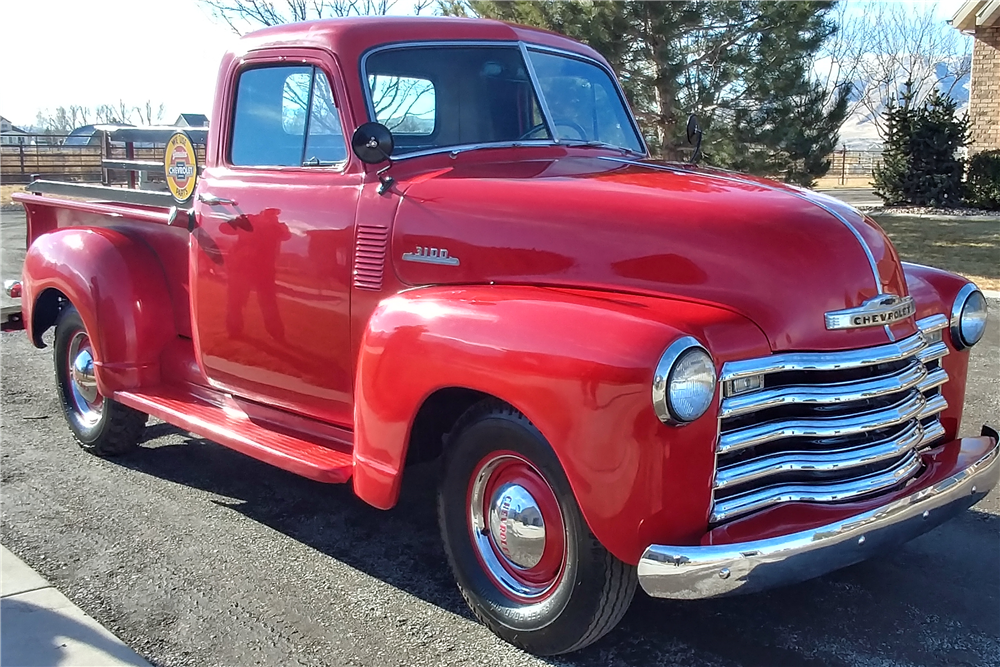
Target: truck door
270,255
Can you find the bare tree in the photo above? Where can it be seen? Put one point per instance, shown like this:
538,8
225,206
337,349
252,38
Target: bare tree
66,119
880,45
244,15
148,114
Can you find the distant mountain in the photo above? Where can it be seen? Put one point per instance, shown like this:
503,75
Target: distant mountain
859,132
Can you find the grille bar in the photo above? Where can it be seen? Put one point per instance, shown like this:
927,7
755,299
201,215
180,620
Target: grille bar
823,428
824,361
824,493
830,461
827,427
932,406
841,392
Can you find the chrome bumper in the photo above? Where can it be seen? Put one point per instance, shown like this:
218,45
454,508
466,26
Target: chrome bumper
693,572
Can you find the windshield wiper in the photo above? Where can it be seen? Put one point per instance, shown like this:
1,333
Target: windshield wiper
577,143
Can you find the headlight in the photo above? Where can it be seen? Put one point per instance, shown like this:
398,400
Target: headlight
684,382
968,317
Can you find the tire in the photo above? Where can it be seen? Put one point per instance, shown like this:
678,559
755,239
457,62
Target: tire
100,425
550,591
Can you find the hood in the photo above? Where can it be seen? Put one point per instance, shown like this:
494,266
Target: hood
778,255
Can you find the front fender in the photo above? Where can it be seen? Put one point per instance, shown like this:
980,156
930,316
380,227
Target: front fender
934,291
580,366
118,286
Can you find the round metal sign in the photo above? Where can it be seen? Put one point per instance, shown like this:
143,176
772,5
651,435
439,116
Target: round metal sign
180,164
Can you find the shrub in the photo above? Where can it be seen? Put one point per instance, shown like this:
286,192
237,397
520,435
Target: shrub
920,166
982,188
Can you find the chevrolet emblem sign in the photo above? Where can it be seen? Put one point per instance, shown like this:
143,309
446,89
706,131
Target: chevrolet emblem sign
883,309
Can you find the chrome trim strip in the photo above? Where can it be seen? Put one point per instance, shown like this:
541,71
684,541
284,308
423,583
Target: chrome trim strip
932,352
693,572
543,104
827,461
816,492
614,79
932,432
935,378
825,394
956,315
932,323
794,193
751,436
824,361
934,405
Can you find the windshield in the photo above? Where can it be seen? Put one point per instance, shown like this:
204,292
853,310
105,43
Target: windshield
434,97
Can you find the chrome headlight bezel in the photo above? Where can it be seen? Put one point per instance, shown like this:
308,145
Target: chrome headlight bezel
968,326
665,381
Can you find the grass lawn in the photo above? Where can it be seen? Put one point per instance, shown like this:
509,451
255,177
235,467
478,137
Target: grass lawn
969,247
6,191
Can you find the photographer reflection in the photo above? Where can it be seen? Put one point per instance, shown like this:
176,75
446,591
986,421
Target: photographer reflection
252,266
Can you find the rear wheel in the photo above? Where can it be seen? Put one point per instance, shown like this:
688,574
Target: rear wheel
100,425
524,558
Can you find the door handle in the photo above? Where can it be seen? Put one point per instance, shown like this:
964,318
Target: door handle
212,200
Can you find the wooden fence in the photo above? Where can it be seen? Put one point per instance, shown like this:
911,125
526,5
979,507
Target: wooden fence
851,169
19,162
83,163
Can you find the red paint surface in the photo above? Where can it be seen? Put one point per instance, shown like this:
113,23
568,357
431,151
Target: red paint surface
576,273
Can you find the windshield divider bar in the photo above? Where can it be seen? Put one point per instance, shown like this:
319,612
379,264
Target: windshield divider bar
546,114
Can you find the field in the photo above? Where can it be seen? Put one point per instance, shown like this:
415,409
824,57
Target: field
6,191
967,246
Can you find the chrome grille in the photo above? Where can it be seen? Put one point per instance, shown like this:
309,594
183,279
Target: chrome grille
828,427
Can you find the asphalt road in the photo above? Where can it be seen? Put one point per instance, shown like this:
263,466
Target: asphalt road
196,555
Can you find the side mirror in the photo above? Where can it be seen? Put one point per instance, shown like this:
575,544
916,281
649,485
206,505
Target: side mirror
693,128
372,143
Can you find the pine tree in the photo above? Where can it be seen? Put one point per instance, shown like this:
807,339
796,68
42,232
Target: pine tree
743,67
921,166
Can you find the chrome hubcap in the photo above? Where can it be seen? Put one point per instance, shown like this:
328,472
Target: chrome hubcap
516,526
83,383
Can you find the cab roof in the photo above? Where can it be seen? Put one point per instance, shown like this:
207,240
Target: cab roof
349,38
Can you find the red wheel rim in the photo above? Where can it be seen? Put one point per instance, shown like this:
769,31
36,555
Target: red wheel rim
517,527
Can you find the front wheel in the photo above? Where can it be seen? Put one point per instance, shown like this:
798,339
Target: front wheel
100,425
524,558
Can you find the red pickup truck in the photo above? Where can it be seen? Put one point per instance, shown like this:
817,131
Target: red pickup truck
415,239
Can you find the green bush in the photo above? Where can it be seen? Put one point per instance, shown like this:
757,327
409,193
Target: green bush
982,187
920,166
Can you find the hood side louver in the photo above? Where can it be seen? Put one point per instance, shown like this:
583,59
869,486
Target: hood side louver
369,256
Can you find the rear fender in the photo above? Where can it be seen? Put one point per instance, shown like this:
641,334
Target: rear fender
580,366
119,287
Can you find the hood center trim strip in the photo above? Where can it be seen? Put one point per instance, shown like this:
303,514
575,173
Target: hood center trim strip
803,197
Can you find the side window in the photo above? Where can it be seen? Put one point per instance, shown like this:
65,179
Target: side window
405,105
285,116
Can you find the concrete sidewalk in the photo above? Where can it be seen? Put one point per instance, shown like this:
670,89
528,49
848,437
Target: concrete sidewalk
40,627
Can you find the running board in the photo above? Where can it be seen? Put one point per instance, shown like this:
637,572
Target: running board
305,447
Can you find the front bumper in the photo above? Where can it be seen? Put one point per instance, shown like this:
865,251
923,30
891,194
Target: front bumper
693,572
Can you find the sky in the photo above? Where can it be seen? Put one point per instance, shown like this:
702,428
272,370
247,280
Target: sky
94,52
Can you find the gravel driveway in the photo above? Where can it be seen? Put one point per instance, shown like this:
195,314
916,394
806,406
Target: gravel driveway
196,555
